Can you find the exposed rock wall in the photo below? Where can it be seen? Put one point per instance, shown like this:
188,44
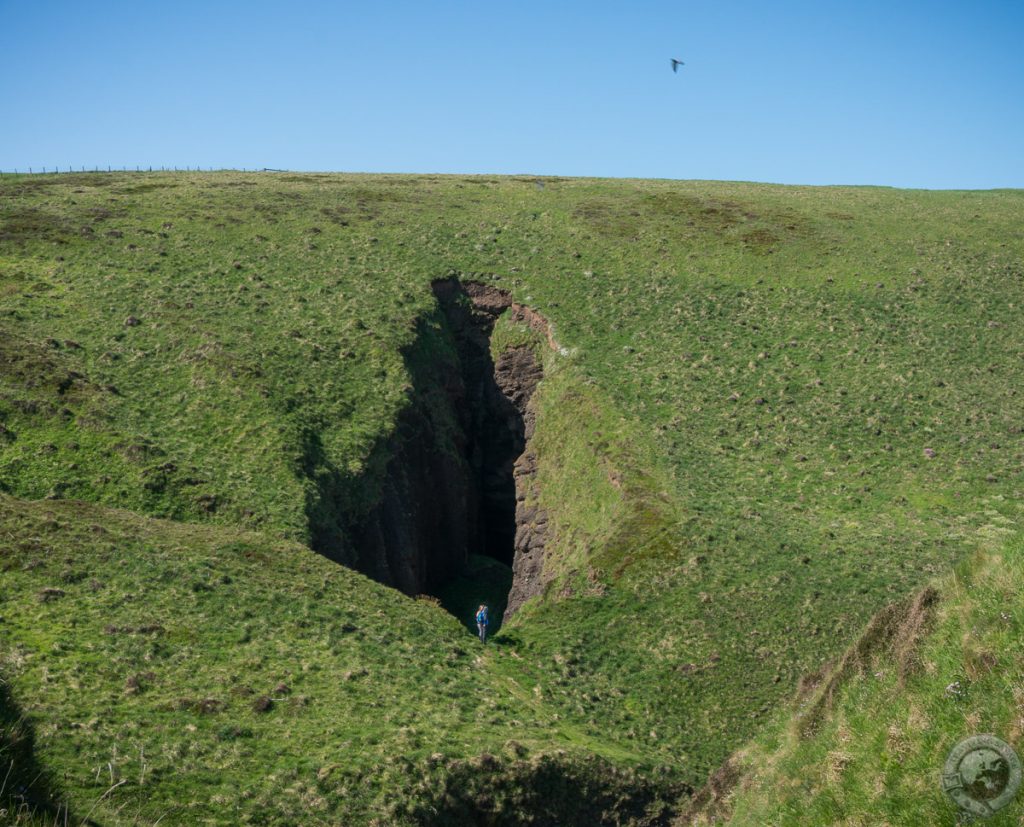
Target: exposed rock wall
517,374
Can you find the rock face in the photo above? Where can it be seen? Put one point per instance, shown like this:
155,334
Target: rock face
517,374
459,476
531,533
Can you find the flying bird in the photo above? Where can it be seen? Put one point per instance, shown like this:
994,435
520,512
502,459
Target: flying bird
676,64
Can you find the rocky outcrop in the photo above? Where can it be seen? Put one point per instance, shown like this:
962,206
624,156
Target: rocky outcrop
517,374
531,535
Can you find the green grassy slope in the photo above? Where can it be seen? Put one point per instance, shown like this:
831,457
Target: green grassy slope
210,674
874,752
776,409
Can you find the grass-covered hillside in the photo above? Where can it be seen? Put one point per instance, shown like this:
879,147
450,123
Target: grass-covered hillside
207,675
866,743
770,412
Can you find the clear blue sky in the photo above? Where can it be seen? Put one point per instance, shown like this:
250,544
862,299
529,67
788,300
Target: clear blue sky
914,94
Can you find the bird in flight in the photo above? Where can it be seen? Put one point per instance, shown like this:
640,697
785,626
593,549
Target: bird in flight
676,64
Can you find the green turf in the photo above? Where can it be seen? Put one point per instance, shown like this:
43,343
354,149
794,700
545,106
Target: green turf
200,674
773,410
877,754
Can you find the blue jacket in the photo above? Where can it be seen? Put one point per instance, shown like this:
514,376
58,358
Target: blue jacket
481,616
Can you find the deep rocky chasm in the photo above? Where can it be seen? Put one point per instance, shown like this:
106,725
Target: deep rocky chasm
460,477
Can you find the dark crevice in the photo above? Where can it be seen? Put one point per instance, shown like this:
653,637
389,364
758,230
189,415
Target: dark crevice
493,425
448,487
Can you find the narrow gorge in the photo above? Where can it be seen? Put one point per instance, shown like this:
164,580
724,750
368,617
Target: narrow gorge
459,478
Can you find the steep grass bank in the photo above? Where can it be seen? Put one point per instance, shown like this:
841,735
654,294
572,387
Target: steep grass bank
865,743
196,674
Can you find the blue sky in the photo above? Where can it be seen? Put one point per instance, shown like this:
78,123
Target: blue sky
913,94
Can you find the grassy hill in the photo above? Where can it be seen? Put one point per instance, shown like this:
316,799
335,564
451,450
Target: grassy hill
199,674
871,735
771,412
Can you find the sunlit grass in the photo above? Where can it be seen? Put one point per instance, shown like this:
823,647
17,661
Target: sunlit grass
774,411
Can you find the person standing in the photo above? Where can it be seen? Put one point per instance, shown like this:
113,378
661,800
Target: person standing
481,622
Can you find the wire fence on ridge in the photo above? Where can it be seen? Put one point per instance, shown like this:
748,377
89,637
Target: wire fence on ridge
84,170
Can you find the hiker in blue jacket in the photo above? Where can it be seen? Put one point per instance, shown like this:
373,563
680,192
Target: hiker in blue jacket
481,622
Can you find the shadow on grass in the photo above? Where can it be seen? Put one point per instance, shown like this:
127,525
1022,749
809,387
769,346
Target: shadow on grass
509,642
27,794
545,789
